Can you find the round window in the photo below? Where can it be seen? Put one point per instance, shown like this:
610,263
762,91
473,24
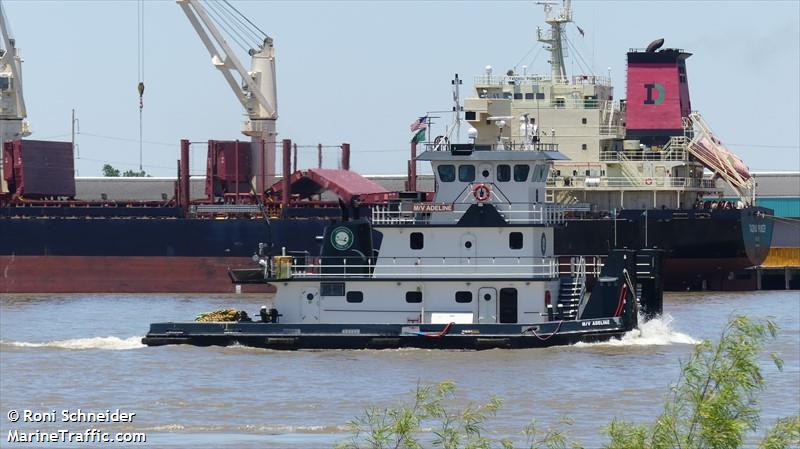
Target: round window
487,297
485,173
309,296
468,244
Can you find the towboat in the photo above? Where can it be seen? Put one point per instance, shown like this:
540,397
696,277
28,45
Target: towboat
471,269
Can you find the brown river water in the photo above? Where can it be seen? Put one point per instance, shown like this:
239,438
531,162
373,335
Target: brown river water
69,352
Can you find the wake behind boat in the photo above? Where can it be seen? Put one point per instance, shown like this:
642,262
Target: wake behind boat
474,269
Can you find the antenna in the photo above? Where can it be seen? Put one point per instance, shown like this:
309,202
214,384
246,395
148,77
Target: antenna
457,108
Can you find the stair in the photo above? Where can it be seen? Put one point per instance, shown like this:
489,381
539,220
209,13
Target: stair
570,295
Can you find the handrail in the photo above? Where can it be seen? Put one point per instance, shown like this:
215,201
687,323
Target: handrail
641,182
541,213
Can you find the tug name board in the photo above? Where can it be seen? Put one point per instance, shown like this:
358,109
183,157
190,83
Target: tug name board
432,207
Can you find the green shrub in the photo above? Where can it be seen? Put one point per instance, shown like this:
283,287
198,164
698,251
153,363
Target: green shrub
713,405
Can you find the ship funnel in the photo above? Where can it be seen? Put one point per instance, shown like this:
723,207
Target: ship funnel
657,93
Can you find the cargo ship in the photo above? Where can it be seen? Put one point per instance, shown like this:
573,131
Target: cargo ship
635,179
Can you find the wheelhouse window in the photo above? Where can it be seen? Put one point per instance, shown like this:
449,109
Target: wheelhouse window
447,173
521,172
515,239
355,296
540,173
463,297
466,173
504,173
414,297
417,240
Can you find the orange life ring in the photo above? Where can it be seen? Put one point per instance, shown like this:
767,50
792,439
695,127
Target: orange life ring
481,192
648,181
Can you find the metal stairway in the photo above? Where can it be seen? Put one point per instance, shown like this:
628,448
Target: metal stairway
571,291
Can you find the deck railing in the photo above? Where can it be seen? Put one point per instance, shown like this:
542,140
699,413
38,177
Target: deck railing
447,267
536,213
642,182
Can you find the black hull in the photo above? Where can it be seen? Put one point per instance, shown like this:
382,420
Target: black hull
386,336
702,247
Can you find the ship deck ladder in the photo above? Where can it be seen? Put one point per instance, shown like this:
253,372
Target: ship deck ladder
571,291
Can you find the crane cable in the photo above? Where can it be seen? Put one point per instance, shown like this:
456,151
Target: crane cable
140,68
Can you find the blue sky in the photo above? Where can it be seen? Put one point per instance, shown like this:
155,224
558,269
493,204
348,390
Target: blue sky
361,71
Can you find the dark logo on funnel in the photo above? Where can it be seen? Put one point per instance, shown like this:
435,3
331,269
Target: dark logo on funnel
659,90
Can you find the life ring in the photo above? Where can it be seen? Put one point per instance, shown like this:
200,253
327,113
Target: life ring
648,181
481,192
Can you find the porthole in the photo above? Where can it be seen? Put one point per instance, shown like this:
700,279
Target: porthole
485,173
309,296
487,297
463,297
468,244
355,296
413,297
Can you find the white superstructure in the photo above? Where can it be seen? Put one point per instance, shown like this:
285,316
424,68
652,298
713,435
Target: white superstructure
605,170
481,252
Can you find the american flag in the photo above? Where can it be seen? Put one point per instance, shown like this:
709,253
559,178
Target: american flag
420,123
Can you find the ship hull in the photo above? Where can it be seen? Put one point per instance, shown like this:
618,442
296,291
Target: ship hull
703,248
136,254
113,274
175,255
387,336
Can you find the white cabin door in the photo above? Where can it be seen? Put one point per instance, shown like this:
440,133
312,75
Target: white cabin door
487,305
309,305
469,251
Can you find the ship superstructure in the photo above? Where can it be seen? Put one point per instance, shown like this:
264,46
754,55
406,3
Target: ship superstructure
645,152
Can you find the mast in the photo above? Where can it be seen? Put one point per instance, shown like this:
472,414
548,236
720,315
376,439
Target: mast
554,38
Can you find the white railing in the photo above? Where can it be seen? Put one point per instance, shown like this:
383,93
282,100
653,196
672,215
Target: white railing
539,213
674,155
426,267
642,182
535,79
612,130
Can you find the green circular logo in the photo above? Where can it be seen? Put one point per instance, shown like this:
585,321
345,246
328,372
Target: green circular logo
342,238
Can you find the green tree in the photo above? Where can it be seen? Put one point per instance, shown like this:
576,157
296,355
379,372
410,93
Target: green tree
110,171
135,173
713,405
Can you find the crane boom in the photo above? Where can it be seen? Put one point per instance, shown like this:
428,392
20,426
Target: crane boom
255,89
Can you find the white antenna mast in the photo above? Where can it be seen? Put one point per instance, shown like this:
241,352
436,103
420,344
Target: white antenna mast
555,37
457,108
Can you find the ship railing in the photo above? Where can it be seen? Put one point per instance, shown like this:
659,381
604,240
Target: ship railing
536,79
534,213
613,130
514,145
462,266
673,155
580,266
641,182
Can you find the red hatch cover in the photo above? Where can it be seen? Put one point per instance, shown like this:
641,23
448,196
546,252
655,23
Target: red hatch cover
344,183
